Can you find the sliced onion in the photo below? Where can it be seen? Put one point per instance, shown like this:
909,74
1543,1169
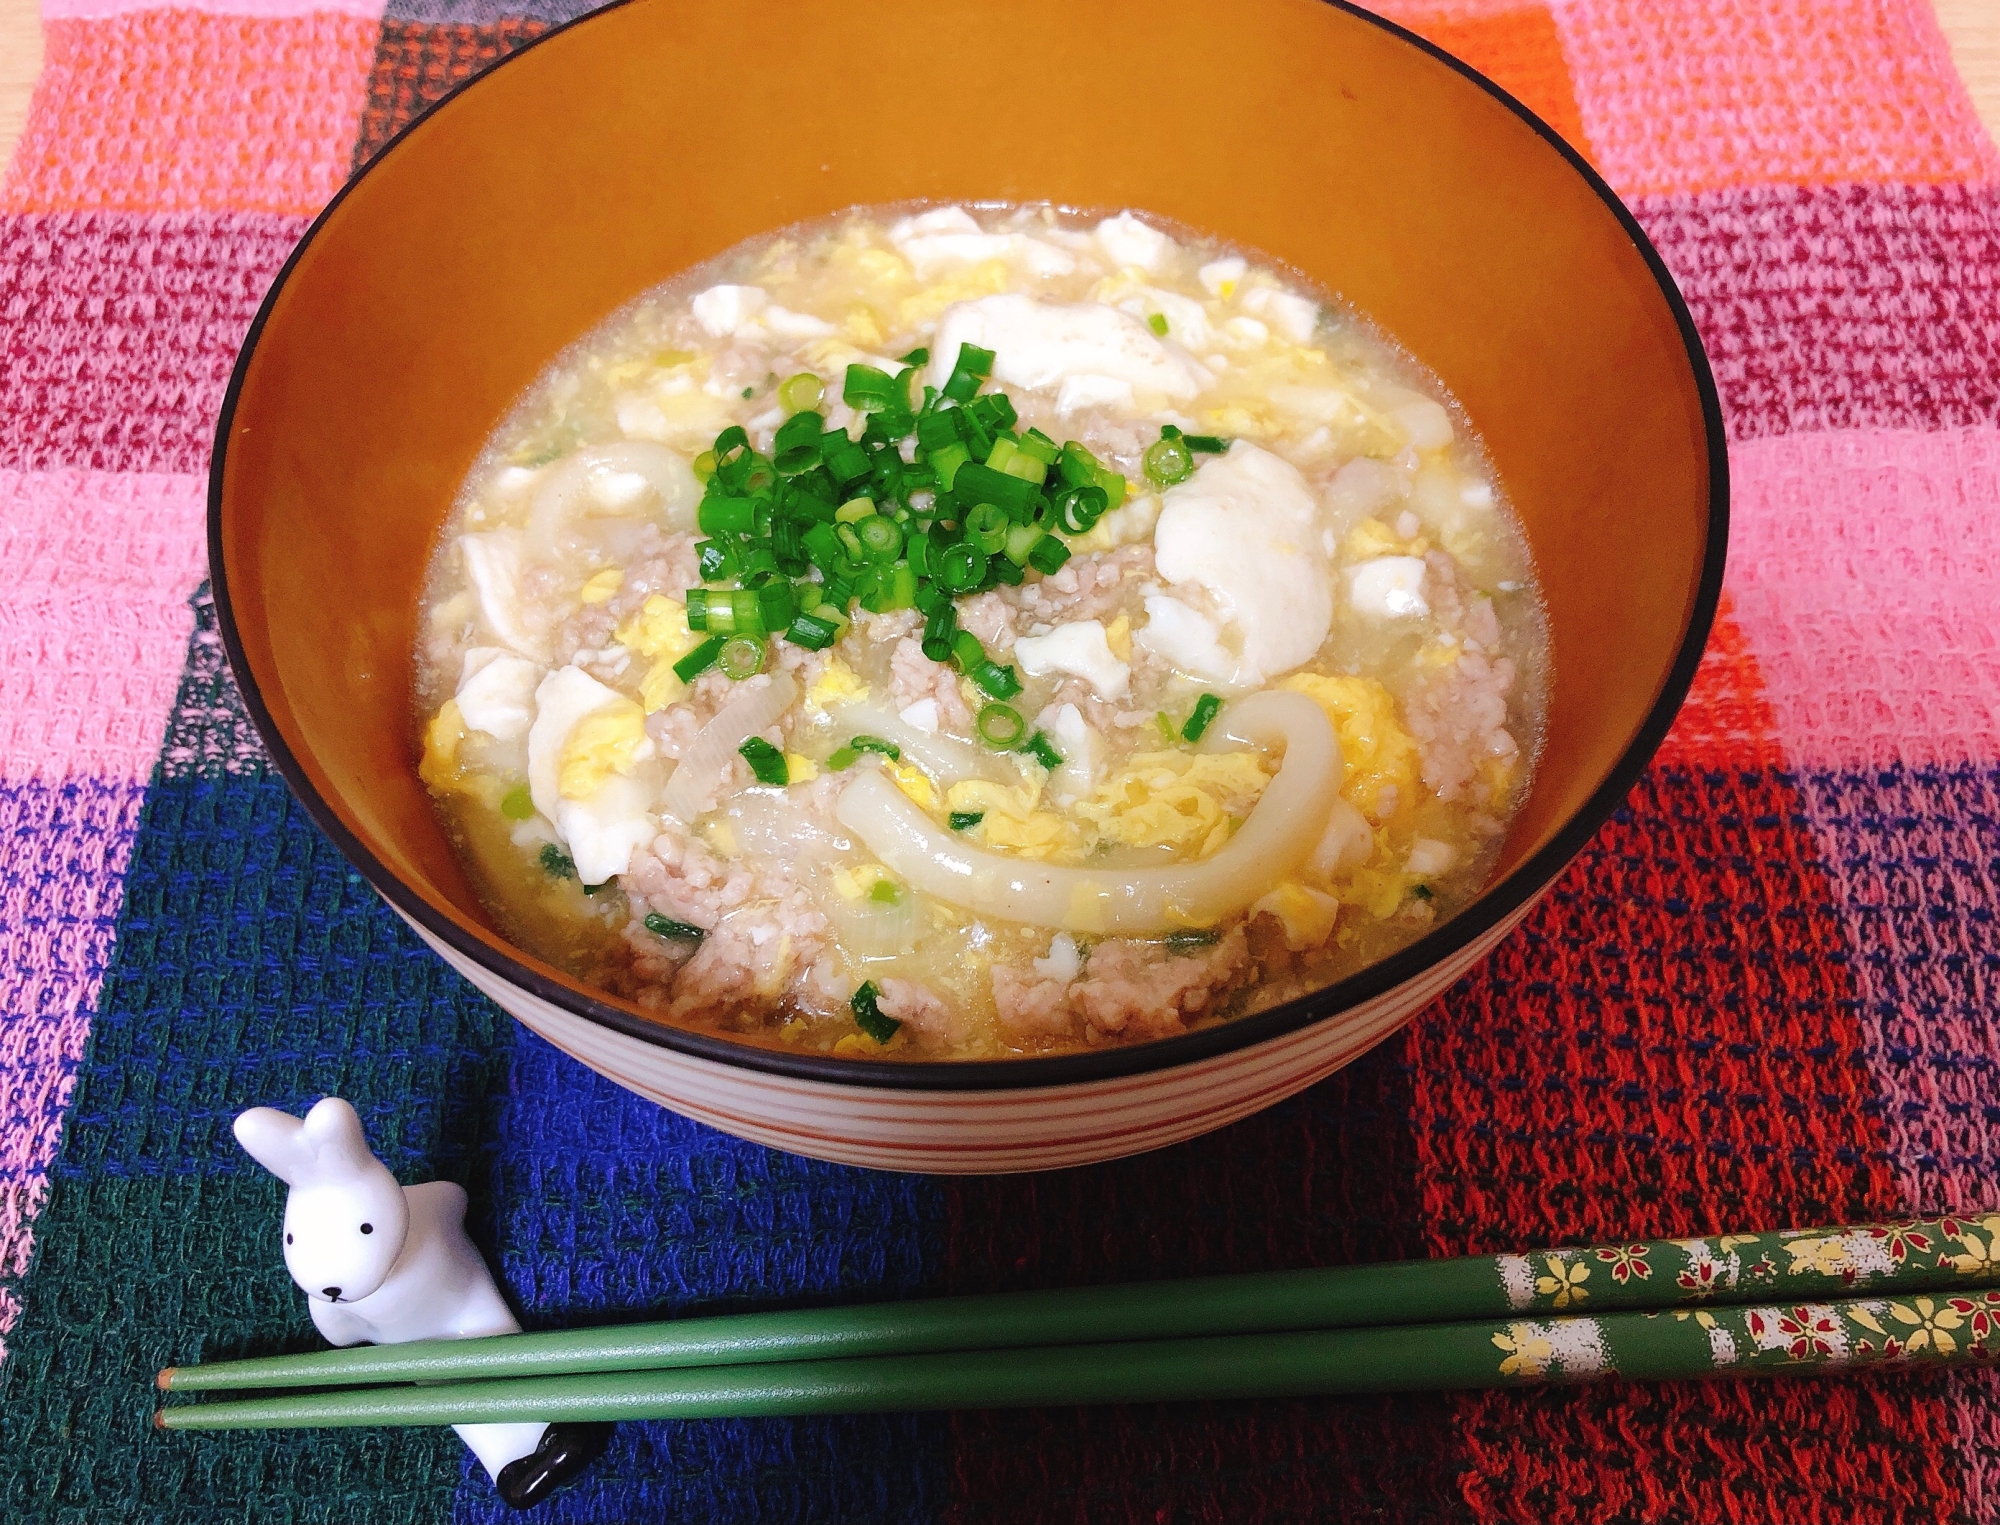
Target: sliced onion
561,498
1281,833
868,928
945,757
708,756
779,824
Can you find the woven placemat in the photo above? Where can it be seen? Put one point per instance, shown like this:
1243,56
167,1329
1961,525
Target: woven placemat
1764,996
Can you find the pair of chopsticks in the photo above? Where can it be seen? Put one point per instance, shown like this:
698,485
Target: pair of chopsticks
1799,1301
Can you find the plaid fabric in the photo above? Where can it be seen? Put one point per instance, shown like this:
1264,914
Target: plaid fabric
1763,997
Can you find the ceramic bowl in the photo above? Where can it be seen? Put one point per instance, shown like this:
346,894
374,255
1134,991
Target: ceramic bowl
619,150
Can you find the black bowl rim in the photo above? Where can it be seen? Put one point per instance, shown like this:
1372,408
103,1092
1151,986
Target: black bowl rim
1487,912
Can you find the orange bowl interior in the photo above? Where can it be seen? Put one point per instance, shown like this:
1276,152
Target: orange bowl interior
651,136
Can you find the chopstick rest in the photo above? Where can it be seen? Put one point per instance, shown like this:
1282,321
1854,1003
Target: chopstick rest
384,1263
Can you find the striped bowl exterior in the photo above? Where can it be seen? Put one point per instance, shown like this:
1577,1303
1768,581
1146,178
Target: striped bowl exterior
980,1132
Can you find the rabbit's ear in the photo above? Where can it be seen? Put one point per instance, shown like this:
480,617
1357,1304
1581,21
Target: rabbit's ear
274,1140
332,1132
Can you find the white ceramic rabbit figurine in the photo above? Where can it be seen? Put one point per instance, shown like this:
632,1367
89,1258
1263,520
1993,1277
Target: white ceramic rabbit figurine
383,1263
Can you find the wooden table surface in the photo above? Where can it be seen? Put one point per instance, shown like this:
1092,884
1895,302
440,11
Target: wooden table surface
1972,27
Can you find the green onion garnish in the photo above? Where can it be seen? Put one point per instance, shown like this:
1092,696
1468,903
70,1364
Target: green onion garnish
918,356
1044,751
1166,725
1421,891
792,539
1206,708
1187,942
878,746
741,657
1168,460
886,892
767,763
1001,726
998,681
1205,444
801,393
517,804
868,1014
556,863
965,820
675,931
1157,322
703,657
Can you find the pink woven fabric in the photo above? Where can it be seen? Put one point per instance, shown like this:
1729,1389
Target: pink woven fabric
1874,555
94,618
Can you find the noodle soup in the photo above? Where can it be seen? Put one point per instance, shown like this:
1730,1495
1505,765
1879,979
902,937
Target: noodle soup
961,633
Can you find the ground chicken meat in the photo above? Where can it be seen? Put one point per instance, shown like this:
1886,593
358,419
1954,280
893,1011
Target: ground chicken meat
1031,1007
914,676
1132,989
1459,720
924,1009
1145,990
1087,588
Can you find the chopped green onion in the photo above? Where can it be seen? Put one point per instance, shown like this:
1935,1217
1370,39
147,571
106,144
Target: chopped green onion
1048,555
556,863
965,820
876,745
741,657
673,931
986,527
918,356
880,539
698,661
1157,322
517,804
1206,708
1040,446
704,465
796,446
998,681
962,568
886,892
973,366
1078,509
1000,725
846,460
1166,726
715,561
868,1014
870,389
801,393
939,630
842,757
977,483
1021,539
854,510
947,461
1168,461
767,763
815,632
1044,751
1421,892
726,516
1205,444
1187,942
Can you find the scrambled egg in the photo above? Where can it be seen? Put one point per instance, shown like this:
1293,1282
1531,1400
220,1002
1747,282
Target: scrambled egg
604,743
1307,915
1013,823
914,782
1376,753
659,631
837,684
599,589
1184,801
441,767
800,769
1372,538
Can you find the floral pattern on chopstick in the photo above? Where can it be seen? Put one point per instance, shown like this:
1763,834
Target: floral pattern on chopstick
1921,1329
1804,1265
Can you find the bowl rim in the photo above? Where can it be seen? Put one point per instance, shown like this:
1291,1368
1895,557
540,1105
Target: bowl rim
1493,906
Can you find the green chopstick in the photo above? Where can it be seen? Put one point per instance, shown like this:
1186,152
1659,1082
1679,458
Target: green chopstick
1923,1255
1793,1338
